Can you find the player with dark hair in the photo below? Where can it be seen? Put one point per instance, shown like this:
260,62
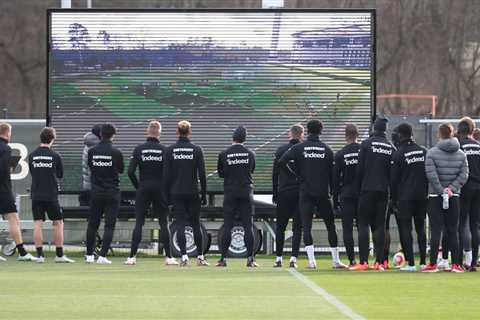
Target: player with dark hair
183,166
345,193
8,208
469,196
409,187
373,173
46,167
285,195
314,166
105,163
447,171
236,166
148,157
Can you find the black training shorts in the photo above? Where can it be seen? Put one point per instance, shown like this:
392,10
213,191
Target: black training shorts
51,208
7,203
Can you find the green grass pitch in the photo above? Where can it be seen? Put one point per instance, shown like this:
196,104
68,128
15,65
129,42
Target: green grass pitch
152,291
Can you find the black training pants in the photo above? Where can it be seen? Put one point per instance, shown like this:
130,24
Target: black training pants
308,204
441,220
243,206
416,210
187,208
150,196
372,208
349,208
287,207
100,204
469,216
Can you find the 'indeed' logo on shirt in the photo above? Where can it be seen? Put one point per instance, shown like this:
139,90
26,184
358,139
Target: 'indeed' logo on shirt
151,158
42,164
98,161
182,156
313,155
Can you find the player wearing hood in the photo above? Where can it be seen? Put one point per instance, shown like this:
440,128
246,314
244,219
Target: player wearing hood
90,140
447,172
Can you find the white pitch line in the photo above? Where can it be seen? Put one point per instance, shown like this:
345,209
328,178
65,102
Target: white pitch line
344,309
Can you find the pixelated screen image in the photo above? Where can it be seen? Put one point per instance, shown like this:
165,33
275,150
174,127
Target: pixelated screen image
265,70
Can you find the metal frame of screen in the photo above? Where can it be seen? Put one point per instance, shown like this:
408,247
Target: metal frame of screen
371,11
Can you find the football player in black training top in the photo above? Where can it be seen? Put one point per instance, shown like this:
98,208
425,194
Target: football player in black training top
314,167
46,167
8,208
285,194
106,163
345,193
236,166
469,196
184,165
148,157
373,178
410,189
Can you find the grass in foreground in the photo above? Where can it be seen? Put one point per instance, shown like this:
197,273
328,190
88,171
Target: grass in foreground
152,291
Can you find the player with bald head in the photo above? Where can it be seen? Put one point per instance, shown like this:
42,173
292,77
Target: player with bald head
8,208
149,157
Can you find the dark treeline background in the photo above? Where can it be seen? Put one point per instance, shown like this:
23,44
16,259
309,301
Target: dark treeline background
423,47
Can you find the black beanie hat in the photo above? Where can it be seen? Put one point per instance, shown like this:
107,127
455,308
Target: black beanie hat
240,134
380,124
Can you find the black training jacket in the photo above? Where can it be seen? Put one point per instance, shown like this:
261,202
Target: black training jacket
374,163
183,167
5,154
313,166
45,167
408,178
284,178
105,163
345,172
148,157
236,165
472,150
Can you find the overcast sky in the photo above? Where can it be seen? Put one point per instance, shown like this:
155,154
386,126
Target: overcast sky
232,29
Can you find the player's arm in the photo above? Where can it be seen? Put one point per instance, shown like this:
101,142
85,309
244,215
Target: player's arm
5,164
120,164
220,168
59,167
132,168
252,161
275,174
202,175
362,154
337,176
330,164
286,157
167,176
89,158
395,174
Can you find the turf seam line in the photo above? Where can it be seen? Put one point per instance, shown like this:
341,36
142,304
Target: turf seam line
344,309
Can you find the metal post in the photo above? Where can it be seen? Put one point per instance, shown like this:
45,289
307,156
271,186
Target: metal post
5,111
89,4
